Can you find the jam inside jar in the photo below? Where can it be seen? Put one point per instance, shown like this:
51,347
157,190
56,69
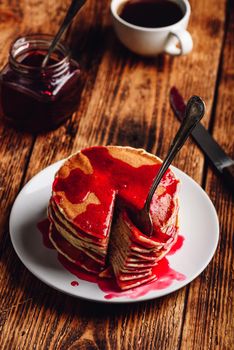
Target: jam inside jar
37,99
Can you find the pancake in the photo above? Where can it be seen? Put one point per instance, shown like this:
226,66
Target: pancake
91,196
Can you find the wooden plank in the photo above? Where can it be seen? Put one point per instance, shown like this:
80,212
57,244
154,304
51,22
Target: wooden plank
15,148
11,166
125,101
209,319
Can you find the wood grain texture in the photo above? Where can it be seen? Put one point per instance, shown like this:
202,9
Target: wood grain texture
209,322
124,102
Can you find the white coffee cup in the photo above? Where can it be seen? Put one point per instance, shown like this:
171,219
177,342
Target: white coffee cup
173,39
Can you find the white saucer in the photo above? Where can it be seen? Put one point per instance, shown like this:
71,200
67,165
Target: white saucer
198,225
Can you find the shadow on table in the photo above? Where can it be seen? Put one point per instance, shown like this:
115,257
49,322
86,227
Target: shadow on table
90,45
111,68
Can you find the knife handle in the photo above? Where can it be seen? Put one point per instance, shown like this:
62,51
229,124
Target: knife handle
228,176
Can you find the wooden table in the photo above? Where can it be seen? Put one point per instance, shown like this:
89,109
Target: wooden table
124,102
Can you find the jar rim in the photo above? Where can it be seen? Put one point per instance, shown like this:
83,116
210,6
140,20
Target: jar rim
21,40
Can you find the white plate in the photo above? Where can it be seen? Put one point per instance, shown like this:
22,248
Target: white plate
198,224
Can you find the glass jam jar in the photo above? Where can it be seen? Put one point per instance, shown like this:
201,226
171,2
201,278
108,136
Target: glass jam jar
33,98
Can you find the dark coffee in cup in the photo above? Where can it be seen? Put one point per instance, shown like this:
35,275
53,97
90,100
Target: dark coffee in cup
153,27
151,13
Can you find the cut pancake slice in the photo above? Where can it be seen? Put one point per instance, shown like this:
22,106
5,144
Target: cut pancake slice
84,252
76,237
88,211
124,236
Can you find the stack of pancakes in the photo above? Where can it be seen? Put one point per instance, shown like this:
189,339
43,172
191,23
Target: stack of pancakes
88,211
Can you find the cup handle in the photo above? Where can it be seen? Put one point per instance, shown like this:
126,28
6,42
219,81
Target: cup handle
181,37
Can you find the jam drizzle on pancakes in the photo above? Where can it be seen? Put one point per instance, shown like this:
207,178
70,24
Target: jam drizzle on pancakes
110,175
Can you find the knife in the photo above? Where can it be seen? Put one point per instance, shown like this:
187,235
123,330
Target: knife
223,164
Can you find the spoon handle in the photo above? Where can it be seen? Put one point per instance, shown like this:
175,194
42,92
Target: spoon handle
72,11
195,110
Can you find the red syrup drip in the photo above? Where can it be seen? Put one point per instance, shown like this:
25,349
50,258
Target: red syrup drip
74,284
165,275
179,243
178,101
116,177
43,227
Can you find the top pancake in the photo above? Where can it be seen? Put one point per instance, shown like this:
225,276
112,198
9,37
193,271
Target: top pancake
90,182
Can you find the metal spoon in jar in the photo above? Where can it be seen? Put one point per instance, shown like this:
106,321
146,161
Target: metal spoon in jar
72,11
195,110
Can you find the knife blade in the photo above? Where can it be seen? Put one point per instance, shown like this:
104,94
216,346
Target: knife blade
223,164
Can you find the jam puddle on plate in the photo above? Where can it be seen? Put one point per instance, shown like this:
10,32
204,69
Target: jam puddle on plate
74,283
165,274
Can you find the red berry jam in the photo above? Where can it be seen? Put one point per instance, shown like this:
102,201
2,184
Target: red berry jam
37,99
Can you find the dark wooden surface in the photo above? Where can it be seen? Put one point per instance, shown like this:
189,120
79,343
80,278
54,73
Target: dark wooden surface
124,102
